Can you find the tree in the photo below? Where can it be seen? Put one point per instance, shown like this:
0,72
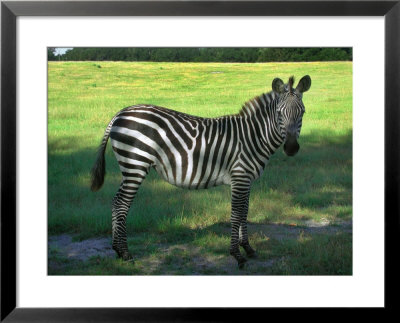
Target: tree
204,54
51,54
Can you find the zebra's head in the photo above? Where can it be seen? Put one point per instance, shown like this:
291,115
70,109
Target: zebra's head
290,110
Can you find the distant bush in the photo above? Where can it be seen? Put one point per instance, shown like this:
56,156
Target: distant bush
188,54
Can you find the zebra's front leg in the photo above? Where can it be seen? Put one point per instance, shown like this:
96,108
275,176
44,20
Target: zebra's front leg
244,240
243,236
240,194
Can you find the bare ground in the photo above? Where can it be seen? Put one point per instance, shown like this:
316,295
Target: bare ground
81,250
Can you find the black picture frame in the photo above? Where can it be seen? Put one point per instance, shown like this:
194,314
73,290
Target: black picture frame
10,10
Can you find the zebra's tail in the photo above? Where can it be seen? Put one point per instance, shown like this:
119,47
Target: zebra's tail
99,168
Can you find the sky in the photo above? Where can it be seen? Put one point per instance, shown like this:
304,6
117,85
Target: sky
61,50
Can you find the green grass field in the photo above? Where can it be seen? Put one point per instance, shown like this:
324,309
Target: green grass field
300,209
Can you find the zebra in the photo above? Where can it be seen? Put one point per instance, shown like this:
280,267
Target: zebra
193,152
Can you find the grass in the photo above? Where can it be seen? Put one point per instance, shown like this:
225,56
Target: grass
315,186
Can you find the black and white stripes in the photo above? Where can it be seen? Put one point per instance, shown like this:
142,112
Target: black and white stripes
193,152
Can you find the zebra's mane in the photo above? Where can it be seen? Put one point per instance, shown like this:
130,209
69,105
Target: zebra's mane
291,82
255,104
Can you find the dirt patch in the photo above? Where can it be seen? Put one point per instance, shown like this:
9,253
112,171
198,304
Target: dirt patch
64,246
284,231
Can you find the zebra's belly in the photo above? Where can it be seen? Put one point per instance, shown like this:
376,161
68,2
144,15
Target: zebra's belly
191,183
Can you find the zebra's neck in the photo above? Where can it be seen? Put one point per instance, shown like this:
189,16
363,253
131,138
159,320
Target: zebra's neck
261,103
260,114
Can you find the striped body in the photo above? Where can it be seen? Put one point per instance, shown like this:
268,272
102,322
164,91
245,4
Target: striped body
194,153
187,151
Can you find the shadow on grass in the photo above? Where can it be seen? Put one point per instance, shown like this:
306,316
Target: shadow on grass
314,186
282,250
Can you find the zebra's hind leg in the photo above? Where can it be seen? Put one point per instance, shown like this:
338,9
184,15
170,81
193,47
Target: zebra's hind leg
240,195
120,207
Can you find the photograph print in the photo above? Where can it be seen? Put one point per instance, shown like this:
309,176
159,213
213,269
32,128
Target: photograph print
200,161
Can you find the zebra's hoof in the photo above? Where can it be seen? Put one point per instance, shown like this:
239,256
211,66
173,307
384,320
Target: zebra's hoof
250,252
129,259
241,263
252,255
126,256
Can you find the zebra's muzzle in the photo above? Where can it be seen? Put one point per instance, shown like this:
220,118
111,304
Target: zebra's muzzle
291,146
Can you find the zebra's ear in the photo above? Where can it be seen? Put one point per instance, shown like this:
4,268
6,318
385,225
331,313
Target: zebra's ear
304,84
278,86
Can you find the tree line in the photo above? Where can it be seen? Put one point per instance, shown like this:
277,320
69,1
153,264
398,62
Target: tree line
188,54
